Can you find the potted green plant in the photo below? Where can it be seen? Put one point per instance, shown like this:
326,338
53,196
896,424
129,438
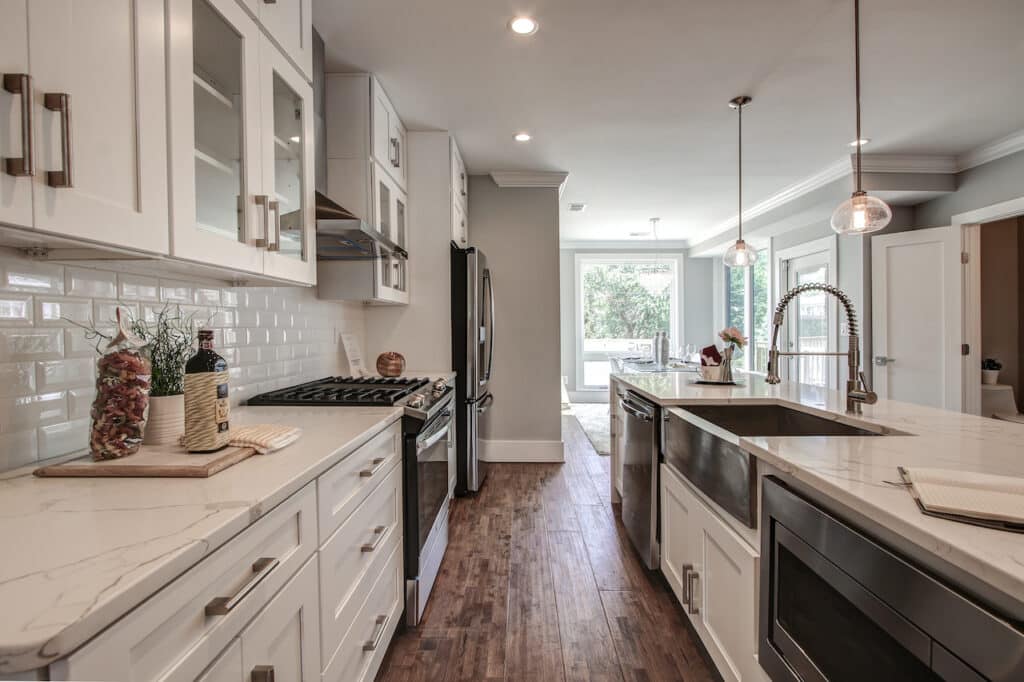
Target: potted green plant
990,371
170,338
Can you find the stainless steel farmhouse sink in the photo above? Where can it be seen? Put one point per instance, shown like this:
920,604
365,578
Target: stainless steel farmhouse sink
724,471
777,420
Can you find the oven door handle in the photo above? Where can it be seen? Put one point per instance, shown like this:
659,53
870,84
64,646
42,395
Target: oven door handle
433,438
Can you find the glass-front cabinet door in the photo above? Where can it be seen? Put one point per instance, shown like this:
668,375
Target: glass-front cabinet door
214,88
287,140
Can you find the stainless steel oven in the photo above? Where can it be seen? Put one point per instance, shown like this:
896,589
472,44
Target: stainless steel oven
837,605
425,458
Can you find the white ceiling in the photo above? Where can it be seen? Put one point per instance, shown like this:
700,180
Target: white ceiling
631,97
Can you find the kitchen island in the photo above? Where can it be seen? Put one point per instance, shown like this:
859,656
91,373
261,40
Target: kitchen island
850,475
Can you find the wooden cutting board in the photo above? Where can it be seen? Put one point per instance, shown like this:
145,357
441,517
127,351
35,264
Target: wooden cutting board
161,461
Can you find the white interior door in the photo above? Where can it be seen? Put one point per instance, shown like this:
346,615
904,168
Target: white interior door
15,115
916,316
101,120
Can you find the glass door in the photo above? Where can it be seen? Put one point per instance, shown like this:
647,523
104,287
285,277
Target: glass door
622,301
809,318
287,167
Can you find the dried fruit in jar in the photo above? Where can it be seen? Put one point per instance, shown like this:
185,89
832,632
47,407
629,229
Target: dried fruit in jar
122,399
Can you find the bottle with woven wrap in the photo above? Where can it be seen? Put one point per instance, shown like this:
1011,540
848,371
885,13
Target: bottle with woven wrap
206,398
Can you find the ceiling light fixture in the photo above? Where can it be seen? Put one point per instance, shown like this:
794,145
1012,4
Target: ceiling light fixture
861,142
296,138
739,255
523,137
860,214
524,26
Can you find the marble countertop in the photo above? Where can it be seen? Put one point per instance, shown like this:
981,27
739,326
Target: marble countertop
80,553
853,470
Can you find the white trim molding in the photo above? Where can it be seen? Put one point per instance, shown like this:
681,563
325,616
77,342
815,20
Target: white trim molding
905,163
624,245
530,179
522,450
997,149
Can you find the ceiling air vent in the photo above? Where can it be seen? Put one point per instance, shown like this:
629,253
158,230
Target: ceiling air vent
577,208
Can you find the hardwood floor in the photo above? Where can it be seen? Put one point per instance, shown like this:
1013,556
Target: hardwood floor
541,583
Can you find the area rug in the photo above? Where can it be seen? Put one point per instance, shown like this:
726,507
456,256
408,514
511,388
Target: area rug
593,417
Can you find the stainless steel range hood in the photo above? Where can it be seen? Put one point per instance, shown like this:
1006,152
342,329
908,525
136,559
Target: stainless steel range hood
340,235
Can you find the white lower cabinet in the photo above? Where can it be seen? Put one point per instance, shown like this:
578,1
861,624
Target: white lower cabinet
713,572
227,667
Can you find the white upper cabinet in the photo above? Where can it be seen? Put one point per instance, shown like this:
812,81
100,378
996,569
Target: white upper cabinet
241,146
97,108
16,105
460,180
290,24
389,136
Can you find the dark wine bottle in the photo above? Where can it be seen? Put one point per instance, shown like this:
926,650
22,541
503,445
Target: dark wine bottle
206,398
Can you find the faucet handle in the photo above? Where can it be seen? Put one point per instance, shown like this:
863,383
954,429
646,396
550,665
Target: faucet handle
865,395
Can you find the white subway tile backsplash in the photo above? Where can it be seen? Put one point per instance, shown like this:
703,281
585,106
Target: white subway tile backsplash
18,274
30,344
90,283
17,379
63,311
15,310
52,375
138,288
64,438
105,312
270,337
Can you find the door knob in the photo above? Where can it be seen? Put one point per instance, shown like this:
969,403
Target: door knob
882,360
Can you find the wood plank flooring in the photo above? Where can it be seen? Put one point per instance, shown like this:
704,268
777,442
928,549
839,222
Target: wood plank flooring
541,583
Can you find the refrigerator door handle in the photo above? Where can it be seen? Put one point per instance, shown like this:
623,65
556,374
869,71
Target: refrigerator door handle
490,324
485,403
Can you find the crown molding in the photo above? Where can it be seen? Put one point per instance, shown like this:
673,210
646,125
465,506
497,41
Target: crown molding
905,163
1004,146
530,179
624,245
823,177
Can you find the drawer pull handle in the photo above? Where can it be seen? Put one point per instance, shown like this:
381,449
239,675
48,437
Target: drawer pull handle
378,463
263,201
262,673
21,84
378,537
221,606
378,633
687,570
691,606
61,102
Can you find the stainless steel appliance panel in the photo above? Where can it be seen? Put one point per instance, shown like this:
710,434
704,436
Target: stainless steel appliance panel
480,322
641,434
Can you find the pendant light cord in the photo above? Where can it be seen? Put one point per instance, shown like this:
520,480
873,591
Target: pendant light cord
856,74
739,111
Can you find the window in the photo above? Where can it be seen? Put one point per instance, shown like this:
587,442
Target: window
746,301
622,301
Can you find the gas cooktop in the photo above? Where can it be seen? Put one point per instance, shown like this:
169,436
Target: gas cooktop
354,391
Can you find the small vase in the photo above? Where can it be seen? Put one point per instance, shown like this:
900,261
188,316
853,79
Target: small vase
990,377
166,420
727,365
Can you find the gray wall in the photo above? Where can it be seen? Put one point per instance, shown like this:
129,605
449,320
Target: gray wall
991,183
518,230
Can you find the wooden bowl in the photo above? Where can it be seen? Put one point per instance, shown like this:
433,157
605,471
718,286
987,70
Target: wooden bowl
390,364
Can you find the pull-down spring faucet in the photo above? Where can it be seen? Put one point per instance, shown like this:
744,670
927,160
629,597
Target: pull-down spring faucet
857,391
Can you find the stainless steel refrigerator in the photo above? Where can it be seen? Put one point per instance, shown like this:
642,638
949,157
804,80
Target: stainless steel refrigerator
472,359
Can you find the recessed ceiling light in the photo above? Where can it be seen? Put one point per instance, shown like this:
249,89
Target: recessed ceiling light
523,137
861,142
296,138
524,26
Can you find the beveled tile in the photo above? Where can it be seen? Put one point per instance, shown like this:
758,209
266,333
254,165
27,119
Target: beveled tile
52,375
90,283
80,401
76,345
63,312
138,288
30,411
63,438
105,312
15,310
17,274
18,449
175,292
31,344
17,379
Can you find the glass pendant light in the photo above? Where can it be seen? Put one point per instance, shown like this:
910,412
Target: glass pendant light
861,213
739,255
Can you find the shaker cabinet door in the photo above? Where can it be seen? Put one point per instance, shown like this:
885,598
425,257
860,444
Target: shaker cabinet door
16,112
219,214
290,24
227,667
100,120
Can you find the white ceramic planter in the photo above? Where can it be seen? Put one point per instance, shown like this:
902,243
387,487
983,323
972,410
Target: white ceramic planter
990,377
166,420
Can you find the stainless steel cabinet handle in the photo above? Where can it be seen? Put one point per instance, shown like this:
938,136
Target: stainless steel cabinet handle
378,633
378,537
691,606
630,409
21,84
221,606
263,201
396,152
378,463
687,569
275,206
262,673
61,102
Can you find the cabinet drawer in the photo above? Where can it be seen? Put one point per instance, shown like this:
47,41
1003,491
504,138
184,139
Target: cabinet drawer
170,636
342,487
353,557
363,646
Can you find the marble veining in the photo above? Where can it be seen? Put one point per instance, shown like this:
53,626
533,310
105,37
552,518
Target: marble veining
80,553
853,470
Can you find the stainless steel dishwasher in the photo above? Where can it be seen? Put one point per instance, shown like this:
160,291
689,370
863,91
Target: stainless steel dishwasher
642,438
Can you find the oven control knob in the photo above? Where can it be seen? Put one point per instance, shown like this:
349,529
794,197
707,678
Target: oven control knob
440,385
417,400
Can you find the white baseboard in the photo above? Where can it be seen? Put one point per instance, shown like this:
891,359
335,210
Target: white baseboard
522,450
